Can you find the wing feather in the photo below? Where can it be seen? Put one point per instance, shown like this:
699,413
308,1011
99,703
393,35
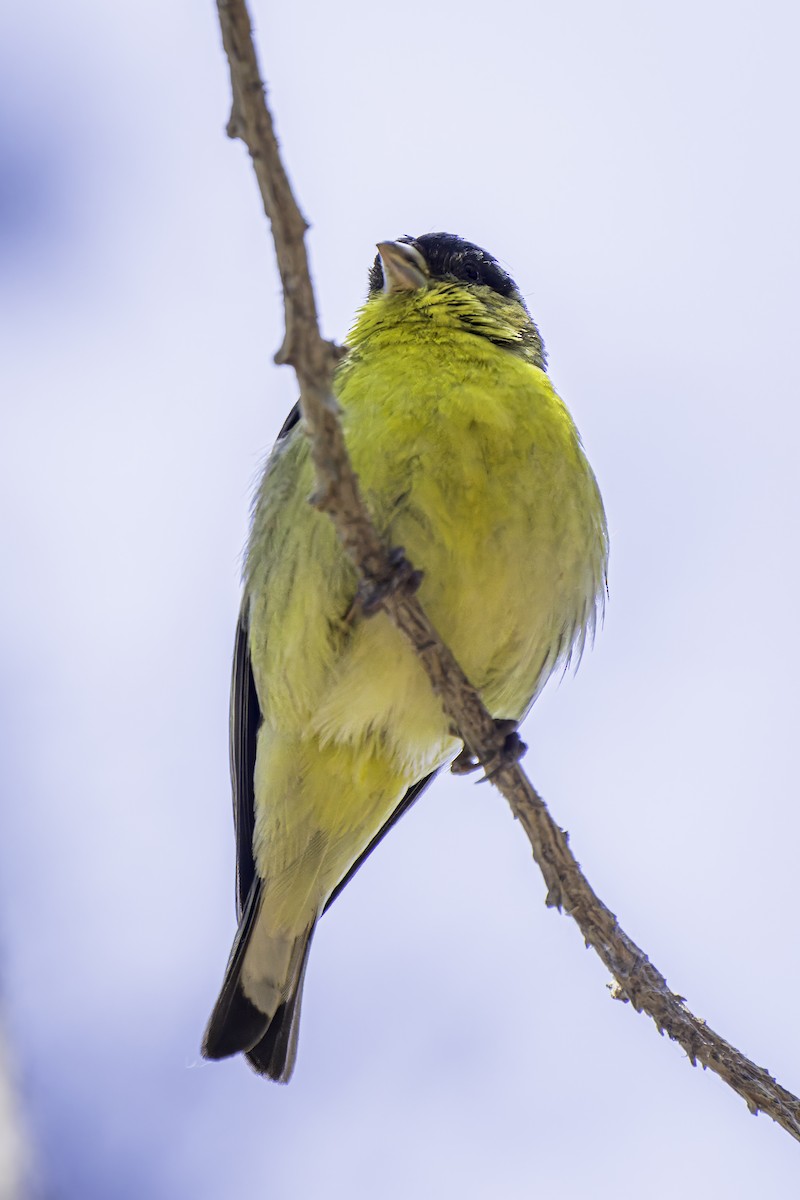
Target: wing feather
245,722
244,726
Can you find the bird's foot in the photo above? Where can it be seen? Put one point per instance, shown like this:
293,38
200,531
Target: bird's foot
510,752
402,577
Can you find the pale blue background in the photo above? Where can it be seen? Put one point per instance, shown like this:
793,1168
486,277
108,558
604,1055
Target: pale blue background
635,166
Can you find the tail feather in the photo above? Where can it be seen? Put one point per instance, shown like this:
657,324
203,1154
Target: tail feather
274,1055
262,1022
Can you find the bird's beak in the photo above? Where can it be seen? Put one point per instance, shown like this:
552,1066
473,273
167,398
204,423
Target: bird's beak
404,268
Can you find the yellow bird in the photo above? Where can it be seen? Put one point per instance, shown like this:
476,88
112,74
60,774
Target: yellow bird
467,459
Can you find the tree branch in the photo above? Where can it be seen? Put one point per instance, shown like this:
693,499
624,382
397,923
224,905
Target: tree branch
314,360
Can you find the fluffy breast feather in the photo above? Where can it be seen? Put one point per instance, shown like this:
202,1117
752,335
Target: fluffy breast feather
470,461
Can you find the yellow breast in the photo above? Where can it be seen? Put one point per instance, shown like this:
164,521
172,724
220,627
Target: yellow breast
470,462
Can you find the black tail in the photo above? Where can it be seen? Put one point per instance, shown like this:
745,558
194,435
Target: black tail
274,1055
237,1025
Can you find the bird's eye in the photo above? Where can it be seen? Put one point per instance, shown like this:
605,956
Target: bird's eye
472,273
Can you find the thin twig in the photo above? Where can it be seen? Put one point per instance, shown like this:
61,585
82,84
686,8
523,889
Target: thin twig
314,360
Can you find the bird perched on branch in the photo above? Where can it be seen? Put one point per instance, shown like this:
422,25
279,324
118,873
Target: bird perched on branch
468,460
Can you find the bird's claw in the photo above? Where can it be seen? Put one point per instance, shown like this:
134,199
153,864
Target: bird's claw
402,577
507,755
464,763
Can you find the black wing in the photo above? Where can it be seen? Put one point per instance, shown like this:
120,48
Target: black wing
245,721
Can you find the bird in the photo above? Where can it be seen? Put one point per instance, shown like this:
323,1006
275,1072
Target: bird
467,459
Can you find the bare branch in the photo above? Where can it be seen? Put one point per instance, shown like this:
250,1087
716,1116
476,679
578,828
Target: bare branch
314,359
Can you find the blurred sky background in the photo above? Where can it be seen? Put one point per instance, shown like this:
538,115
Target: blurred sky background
635,166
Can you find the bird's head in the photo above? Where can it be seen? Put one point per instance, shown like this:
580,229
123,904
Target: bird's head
441,280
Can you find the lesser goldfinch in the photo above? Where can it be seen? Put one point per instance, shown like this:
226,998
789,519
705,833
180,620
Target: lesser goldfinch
468,460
